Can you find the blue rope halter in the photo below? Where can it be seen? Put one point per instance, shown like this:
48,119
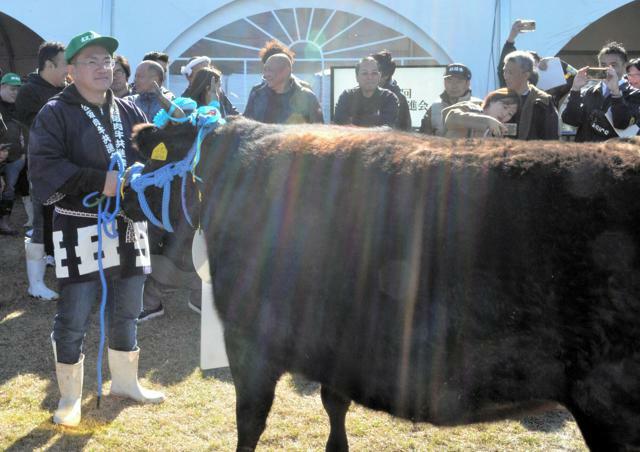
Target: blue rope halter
107,223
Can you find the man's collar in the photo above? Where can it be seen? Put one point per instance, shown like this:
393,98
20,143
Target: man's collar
288,87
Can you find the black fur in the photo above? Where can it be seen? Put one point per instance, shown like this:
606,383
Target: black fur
440,281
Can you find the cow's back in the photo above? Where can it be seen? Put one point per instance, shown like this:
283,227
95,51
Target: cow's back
437,280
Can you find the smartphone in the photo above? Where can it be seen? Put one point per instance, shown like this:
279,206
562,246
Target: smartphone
528,26
512,129
597,73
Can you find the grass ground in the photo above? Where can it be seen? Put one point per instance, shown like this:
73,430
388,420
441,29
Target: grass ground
199,411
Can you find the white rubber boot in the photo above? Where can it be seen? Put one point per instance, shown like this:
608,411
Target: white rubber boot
124,377
36,267
70,377
28,208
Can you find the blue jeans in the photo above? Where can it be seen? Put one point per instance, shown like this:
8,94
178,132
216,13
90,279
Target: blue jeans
11,173
124,303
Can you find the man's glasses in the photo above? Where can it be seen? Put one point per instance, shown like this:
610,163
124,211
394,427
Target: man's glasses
369,74
94,64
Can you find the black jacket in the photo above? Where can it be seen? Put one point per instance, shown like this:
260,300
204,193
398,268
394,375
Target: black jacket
586,110
15,133
3,127
537,117
67,157
381,109
404,115
297,105
65,150
32,97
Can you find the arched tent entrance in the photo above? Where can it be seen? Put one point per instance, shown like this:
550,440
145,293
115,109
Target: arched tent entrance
619,25
321,37
18,46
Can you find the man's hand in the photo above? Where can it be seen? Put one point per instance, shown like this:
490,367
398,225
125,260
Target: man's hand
495,127
166,102
580,79
110,183
543,64
612,81
4,153
516,29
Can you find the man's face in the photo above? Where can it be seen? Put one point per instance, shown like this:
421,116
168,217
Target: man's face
455,85
8,93
368,76
515,78
144,79
92,69
614,61
58,70
119,78
633,75
275,73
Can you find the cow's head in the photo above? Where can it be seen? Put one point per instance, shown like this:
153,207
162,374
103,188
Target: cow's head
157,148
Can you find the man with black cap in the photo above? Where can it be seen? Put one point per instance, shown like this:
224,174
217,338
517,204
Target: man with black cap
457,81
73,139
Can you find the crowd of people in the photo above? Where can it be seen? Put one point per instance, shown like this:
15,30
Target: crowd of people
60,125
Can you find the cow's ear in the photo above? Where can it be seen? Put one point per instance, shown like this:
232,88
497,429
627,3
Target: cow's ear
145,138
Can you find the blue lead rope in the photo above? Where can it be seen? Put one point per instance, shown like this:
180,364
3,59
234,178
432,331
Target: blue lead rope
107,223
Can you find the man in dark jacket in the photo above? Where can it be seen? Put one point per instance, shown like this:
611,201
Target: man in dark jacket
367,105
610,104
282,100
73,139
537,117
14,141
557,92
41,86
387,68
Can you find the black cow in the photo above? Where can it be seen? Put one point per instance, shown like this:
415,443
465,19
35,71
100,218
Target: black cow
441,281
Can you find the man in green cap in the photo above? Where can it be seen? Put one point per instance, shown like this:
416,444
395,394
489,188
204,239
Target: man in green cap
13,143
73,139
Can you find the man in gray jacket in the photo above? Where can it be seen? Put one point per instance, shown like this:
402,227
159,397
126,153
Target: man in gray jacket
457,81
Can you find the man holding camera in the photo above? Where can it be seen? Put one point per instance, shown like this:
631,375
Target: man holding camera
605,109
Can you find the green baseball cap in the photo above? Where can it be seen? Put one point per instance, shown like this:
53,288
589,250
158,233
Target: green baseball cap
89,38
11,78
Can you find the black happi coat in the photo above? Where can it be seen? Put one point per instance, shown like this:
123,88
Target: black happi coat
68,160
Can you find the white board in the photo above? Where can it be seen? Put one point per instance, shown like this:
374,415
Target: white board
212,351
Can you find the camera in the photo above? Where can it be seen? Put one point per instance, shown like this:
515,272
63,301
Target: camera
527,26
512,129
597,73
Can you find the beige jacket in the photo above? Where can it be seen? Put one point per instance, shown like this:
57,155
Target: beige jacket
464,120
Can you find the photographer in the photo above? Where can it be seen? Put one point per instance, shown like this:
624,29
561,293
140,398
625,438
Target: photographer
610,104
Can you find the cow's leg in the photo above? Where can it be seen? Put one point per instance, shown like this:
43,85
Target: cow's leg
336,407
255,382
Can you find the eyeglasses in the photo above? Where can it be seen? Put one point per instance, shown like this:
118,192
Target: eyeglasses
94,64
633,75
369,74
